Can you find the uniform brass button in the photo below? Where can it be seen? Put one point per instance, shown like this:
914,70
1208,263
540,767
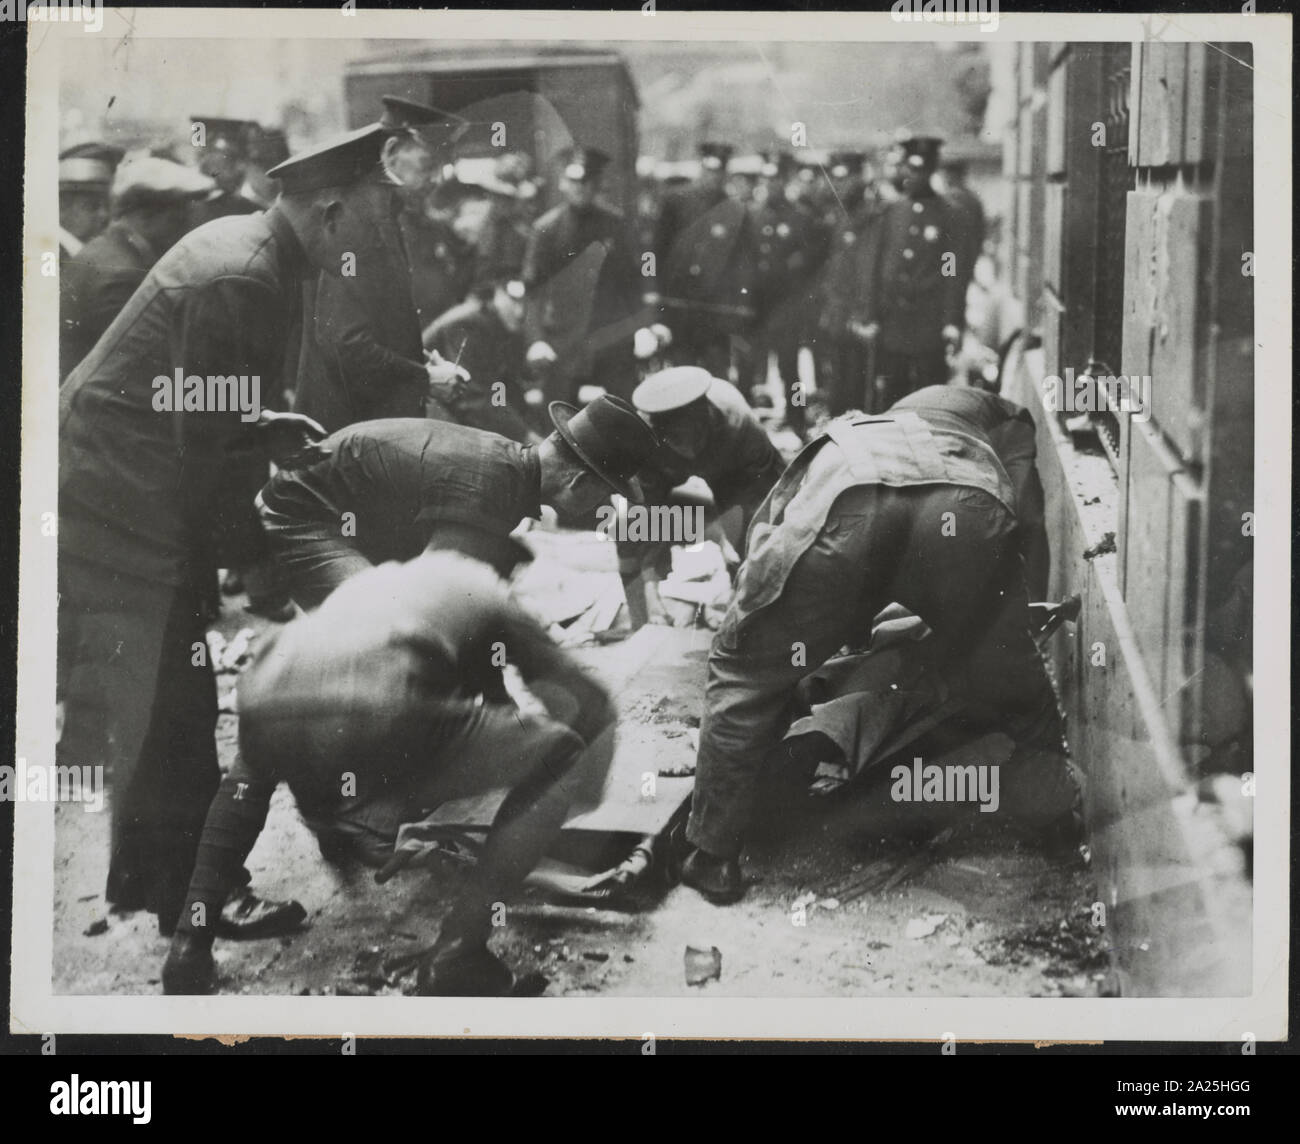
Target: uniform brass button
695,270
907,253
918,207
718,230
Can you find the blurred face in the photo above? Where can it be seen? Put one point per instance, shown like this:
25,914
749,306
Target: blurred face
684,433
414,165
915,179
578,194
338,223
714,178
223,168
83,213
509,310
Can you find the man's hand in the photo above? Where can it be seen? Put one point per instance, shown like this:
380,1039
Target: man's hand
540,353
663,334
951,337
291,440
188,969
446,379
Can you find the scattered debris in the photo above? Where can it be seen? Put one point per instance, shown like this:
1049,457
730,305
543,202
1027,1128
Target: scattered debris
921,927
703,965
96,928
1101,548
595,955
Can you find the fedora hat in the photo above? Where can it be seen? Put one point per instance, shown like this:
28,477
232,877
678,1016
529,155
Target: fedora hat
610,439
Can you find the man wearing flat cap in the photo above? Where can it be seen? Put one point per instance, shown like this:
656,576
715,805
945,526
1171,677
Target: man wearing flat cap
362,357
585,287
150,422
705,430
151,199
85,175
388,490
919,290
705,251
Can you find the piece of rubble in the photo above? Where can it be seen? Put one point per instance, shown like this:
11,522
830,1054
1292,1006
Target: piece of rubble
703,965
97,927
921,927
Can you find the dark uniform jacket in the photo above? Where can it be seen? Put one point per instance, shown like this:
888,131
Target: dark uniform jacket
790,246
913,298
137,483
362,358
442,264
493,399
403,480
584,280
94,286
503,242
967,218
706,259
848,277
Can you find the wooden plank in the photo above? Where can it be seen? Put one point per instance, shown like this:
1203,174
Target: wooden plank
1146,546
657,667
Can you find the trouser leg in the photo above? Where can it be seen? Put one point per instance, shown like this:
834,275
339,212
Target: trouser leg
313,559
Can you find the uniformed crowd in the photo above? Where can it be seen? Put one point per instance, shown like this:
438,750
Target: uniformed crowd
427,388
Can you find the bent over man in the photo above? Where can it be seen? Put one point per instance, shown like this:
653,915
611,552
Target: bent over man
915,508
373,685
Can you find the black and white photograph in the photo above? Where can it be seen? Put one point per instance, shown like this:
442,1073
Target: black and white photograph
603,522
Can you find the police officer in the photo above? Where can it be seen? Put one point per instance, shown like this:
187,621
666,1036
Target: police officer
967,216
706,430
362,356
790,245
484,336
85,175
507,225
585,287
845,299
151,199
705,260
919,296
915,508
141,467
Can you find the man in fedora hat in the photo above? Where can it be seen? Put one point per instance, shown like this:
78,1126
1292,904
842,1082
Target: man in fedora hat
142,472
222,147
390,489
369,710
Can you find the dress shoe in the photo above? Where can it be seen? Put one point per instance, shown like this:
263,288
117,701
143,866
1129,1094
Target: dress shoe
717,879
463,971
246,916
188,969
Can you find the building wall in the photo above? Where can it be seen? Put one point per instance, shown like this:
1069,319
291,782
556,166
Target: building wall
1129,212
